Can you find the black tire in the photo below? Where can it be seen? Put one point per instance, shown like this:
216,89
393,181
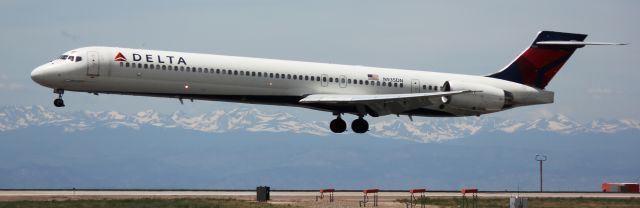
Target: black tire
360,126
58,102
338,125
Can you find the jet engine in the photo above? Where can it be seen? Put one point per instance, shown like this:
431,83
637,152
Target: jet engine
484,98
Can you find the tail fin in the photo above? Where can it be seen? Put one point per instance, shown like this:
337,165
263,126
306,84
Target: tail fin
537,65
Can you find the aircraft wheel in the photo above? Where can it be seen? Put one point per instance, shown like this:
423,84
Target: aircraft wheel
338,125
360,126
58,102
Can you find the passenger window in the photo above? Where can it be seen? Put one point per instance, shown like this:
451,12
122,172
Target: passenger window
330,79
306,77
318,78
241,73
313,78
295,76
366,82
175,68
361,82
395,84
259,74
158,66
182,68
378,83
206,70
343,80
188,69
435,88
139,66
164,67
235,72
288,76
349,81
200,70
324,79
217,71
121,64
271,75
126,65
152,66
384,84
224,71
401,85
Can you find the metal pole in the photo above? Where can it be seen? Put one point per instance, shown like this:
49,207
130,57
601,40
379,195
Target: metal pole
541,158
540,175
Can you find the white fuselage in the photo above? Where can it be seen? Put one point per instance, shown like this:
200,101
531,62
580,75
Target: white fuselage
253,80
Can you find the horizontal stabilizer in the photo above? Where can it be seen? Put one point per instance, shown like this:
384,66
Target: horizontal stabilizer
574,43
539,63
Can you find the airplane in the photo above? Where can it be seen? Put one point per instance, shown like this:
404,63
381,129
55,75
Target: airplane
338,89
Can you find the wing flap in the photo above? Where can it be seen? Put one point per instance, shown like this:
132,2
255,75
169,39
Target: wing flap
384,104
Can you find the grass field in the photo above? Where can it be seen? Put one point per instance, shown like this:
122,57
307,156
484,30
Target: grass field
539,202
141,203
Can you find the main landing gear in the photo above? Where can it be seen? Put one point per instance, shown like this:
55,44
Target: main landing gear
359,125
338,125
58,102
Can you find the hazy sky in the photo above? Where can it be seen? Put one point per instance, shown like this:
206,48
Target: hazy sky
474,37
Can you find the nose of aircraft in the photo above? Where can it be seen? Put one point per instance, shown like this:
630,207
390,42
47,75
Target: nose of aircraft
43,75
37,75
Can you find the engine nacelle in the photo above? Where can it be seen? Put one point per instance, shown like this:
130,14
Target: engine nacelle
485,98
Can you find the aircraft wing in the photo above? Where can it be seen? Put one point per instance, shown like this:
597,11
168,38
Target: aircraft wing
384,104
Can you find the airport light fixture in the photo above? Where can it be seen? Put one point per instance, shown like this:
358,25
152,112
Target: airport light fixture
541,158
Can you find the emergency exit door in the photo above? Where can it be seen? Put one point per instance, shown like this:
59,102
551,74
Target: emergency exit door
415,86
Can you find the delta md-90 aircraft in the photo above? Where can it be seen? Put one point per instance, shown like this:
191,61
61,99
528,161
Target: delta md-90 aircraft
338,89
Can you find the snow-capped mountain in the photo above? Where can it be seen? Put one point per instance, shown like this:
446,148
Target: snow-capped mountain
255,120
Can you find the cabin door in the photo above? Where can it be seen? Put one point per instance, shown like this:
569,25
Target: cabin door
93,63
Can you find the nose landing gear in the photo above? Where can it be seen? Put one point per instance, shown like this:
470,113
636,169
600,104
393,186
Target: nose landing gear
58,102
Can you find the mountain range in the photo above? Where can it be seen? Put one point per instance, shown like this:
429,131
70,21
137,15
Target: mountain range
251,119
243,147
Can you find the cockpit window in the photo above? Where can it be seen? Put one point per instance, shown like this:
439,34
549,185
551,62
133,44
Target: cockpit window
70,58
63,57
78,58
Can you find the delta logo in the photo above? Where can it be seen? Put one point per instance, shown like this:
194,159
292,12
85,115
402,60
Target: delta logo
120,57
152,58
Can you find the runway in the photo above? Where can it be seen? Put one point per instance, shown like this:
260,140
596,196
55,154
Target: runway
8,195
